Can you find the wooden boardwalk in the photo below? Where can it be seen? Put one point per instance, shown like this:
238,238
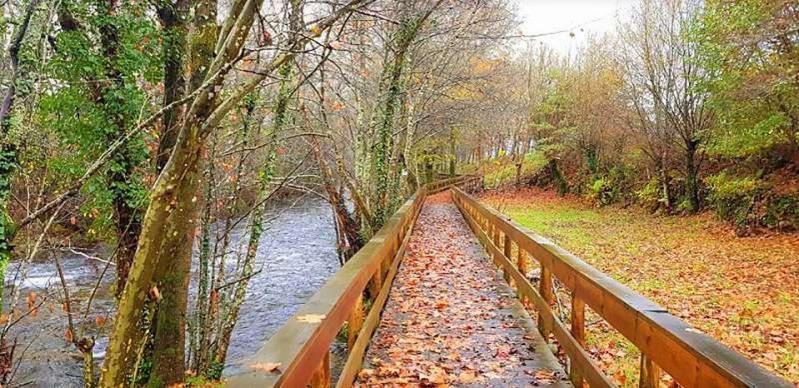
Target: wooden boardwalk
452,319
422,304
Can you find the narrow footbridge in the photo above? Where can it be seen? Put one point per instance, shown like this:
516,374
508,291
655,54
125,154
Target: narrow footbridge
450,292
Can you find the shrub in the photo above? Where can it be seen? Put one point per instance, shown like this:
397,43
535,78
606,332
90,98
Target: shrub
733,198
609,188
782,212
650,195
600,191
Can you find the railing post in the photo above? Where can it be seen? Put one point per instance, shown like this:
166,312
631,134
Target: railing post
545,289
321,376
506,246
506,250
650,373
355,321
578,332
521,264
376,283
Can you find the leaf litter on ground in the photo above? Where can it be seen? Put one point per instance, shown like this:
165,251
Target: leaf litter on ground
447,321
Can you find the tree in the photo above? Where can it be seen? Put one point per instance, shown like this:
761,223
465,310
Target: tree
8,151
751,84
167,234
662,65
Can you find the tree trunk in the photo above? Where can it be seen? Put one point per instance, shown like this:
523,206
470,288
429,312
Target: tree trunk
172,274
281,118
109,96
692,176
199,344
8,152
173,23
350,240
392,89
665,182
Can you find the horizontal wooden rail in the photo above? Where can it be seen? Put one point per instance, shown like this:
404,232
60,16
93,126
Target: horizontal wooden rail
298,354
690,357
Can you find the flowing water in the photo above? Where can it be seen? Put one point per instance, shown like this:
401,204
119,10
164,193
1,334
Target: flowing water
297,254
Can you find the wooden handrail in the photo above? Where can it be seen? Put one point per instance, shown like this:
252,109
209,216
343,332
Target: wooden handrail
690,357
298,354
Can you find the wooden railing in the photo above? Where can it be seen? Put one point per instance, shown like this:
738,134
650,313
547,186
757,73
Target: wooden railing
666,343
298,354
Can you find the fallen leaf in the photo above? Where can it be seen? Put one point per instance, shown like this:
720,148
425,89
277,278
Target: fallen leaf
266,366
545,376
468,377
311,318
154,294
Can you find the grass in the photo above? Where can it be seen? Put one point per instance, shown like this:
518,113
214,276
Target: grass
742,291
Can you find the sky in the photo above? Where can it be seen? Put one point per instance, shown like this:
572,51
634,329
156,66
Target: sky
580,16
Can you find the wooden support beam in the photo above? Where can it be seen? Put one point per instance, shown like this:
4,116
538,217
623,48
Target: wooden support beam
321,376
376,282
545,289
506,250
521,261
650,373
578,332
355,321
521,265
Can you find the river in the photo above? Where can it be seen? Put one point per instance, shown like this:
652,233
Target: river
297,254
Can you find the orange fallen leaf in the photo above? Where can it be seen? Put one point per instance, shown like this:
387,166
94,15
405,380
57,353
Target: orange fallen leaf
468,377
266,366
545,376
620,377
155,294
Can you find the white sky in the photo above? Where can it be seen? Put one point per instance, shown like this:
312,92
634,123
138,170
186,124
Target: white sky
581,16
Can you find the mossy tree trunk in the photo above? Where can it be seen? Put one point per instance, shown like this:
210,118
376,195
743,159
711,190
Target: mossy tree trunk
171,278
391,91
173,16
692,175
8,151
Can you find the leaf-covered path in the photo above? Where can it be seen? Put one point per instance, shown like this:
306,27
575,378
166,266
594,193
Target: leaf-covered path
451,319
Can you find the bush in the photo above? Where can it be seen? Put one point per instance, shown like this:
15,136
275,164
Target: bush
650,195
502,173
782,212
600,191
609,188
733,198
